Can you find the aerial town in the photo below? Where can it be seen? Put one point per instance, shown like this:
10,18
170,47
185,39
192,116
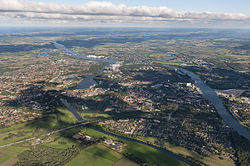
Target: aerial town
75,99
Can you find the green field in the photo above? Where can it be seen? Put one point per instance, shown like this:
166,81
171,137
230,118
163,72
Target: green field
211,160
125,162
185,152
93,155
146,153
104,152
4,157
9,154
58,119
96,155
15,133
150,155
61,118
94,133
58,142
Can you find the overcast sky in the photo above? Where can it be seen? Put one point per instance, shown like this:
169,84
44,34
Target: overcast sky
127,13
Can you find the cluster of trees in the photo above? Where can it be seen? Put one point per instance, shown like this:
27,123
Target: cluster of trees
242,148
23,47
12,135
43,155
137,160
218,78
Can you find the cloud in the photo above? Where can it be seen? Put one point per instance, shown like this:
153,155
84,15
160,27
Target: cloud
110,13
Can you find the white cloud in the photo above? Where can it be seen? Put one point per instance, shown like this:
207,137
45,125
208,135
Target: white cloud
109,13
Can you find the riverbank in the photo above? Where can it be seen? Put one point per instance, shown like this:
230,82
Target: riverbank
206,91
211,96
79,118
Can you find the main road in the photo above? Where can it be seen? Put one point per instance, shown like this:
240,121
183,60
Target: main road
80,123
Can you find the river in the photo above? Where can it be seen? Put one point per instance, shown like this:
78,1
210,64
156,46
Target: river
210,95
87,82
207,92
79,118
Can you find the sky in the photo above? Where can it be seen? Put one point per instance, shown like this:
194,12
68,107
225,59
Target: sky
126,13
225,6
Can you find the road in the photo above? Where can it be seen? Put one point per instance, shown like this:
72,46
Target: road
50,133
